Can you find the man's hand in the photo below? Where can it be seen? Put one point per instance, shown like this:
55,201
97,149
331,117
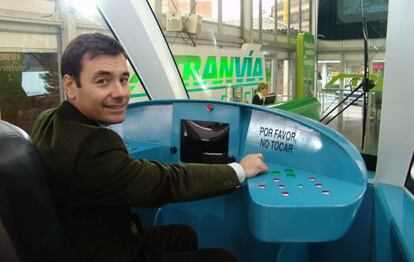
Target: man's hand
253,164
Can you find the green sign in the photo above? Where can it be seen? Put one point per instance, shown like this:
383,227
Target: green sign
305,73
210,73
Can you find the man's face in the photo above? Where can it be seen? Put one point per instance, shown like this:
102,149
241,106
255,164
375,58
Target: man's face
104,92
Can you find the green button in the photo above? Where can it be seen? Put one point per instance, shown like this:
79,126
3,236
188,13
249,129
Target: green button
290,175
276,173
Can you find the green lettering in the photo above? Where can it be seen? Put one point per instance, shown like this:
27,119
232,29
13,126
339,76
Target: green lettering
226,67
190,66
210,69
258,67
243,69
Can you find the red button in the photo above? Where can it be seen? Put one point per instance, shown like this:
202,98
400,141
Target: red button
210,107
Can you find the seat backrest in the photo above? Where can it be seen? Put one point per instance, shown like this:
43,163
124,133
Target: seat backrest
26,208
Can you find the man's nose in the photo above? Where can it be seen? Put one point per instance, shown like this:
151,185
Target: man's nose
120,90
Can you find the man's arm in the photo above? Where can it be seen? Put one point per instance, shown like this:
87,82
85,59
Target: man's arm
107,175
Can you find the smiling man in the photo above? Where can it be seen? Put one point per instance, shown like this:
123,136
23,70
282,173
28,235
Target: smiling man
93,180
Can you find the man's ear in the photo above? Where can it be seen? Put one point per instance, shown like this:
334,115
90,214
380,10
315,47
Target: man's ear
69,85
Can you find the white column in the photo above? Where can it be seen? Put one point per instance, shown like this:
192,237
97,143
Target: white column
396,140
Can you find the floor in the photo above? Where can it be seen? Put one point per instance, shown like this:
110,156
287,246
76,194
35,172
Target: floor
349,124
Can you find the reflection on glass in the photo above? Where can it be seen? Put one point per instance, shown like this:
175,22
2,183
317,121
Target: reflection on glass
29,85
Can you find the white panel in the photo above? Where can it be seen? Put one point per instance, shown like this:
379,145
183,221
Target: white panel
136,28
35,6
22,42
396,140
231,30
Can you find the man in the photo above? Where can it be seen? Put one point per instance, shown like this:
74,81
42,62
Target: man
94,182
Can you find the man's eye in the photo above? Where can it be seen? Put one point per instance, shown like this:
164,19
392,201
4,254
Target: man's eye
124,80
102,81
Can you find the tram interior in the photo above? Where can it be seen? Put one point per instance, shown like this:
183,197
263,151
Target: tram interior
320,200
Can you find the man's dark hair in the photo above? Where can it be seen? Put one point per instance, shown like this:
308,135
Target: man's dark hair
91,44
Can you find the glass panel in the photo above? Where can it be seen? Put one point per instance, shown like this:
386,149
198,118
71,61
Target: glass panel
294,16
305,16
282,16
231,12
268,15
29,76
282,80
176,5
152,3
268,70
29,84
256,8
350,122
208,9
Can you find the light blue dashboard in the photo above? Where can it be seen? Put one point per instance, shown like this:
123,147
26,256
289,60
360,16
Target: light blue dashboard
316,178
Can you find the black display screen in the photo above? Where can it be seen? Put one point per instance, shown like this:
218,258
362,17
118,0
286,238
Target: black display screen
409,182
270,99
204,142
351,11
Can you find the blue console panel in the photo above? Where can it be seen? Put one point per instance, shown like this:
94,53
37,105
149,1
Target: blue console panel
316,178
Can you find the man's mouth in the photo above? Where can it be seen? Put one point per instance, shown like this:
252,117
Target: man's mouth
115,107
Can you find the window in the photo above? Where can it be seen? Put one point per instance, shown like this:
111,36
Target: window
268,12
231,12
208,9
256,14
176,5
29,84
294,15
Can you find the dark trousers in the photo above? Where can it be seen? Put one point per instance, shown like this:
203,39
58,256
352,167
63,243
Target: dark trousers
178,243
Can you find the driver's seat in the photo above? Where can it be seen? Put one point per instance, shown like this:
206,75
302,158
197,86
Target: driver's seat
26,208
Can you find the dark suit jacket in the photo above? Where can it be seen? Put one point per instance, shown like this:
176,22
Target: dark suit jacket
257,101
94,182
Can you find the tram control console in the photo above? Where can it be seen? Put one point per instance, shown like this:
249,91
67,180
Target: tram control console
316,179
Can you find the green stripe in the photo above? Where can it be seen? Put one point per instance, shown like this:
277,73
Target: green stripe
220,87
199,83
217,82
138,95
